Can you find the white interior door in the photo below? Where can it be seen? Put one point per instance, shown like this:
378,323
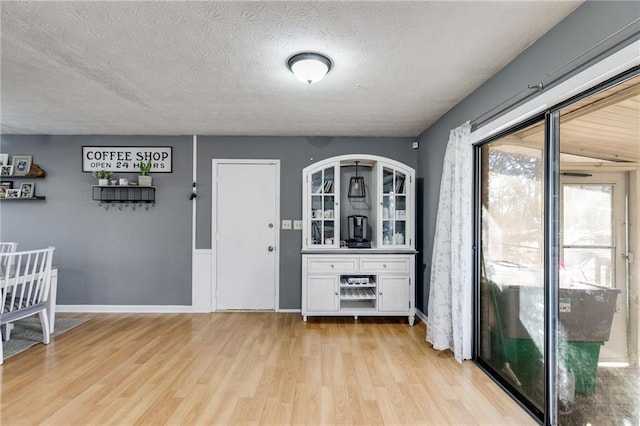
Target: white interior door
245,234
594,244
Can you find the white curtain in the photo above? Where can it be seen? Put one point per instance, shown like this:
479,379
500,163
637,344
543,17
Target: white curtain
449,308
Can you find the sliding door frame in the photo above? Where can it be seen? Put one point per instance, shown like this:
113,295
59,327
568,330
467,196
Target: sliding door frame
477,261
551,161
551,261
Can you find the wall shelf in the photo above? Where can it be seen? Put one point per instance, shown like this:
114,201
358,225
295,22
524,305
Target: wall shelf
17,181
36,198
124,194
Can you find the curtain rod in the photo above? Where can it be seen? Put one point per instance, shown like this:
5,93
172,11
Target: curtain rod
539,85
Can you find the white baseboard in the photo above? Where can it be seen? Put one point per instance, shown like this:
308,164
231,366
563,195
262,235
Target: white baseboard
132,309
146,309
421,315
160,309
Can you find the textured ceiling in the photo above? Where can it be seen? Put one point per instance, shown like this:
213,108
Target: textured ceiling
218,68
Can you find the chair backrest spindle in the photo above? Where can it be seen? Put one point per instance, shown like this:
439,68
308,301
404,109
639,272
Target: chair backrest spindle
24,278
7,248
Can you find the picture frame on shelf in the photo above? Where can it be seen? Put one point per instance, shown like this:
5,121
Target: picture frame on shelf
13,193
27,190
4,159
4,186
6,170
21,165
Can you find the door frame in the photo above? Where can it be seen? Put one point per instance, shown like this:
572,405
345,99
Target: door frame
214,208
621,281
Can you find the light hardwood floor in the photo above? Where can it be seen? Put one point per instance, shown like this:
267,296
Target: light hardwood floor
247,368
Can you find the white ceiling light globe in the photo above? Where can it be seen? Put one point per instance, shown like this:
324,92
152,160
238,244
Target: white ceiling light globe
309,67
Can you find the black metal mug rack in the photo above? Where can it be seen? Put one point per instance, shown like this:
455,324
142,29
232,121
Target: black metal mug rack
124,196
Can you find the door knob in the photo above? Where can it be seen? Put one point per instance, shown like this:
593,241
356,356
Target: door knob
271,248
271,225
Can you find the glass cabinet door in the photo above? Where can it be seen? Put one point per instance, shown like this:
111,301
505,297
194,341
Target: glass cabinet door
394,207
322,211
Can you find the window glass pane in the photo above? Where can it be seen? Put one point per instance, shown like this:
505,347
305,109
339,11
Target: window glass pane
512,292
587,216
587,265
316,183
387,181
328,185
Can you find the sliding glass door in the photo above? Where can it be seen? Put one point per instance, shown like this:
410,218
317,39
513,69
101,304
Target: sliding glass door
511,262
557,219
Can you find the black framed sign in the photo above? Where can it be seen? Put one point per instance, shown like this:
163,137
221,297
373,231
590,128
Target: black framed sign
127,159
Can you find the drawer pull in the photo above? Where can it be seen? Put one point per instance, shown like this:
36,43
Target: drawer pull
384,265
332,265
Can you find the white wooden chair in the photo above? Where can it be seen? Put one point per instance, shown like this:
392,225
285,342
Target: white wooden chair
8,248
25,277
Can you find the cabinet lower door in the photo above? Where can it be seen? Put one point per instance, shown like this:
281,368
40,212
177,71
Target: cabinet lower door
393,293
322,293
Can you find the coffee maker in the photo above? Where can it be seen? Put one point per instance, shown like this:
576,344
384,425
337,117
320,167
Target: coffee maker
358,232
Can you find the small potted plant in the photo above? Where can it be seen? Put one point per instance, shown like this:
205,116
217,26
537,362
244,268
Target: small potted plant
144,179
103,177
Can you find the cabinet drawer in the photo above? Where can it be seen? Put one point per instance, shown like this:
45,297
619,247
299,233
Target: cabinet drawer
384,265
332,265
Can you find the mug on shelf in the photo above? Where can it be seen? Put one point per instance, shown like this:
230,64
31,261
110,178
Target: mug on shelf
398,239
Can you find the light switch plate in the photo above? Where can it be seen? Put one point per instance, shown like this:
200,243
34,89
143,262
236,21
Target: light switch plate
286,224
297,224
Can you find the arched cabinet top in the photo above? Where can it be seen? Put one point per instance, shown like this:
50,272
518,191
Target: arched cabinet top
370,207
362,159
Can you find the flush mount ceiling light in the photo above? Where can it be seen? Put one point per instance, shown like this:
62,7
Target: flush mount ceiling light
309,67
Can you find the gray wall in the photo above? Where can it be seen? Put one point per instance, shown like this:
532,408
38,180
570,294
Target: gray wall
144,257
294,153
584,28
106,257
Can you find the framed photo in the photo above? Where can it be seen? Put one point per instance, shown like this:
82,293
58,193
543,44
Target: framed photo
27,190
4,186
6,170
4,159
13,193
21,164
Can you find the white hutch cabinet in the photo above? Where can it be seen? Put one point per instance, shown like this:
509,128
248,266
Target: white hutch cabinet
374,275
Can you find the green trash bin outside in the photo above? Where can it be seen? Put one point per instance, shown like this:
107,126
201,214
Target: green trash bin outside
511,342
586,314
582,359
